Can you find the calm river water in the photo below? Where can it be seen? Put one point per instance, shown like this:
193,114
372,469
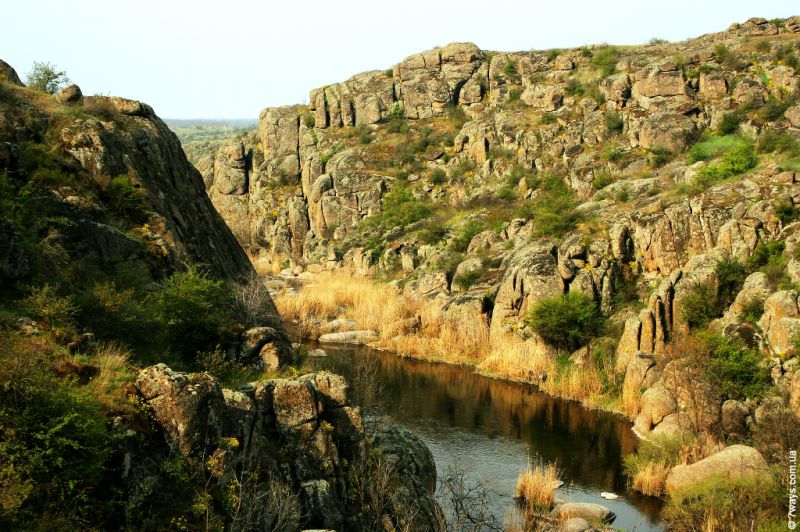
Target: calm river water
490,429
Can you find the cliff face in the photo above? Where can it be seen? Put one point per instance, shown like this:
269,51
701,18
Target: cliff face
668,158
97,139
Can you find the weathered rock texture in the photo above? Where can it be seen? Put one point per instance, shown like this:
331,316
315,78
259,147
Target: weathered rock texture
303,432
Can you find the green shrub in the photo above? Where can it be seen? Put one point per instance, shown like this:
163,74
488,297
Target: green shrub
614,123
568,321
735,162
547,118
767,257
605,60
731,274
54,443
514,94
773,109
699,305
660,156
400,209
726,57
771,141
714,147
468,230
552,54
45,304
126,199
309,120
432,234
752,311
510,71
730,122
467,279
602,179
786,211
46,77
734,369
196,312
438,176
786,55
574,88
553,210
764,47
750,503
397,125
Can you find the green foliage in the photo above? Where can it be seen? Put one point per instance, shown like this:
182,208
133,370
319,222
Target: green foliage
46,77
605,60
45,304
468,230
552,54
767,257
400,209
726,57
771,141
773,109
731,274
510,70
54,443
433,233
438,176
602,179
786,54
196,311
126,199
734,370
734,162
568,321
469,278
614,123
514,94
752,311
456,115
714,147
553,210
574,87
547,118
764,47
397,125
660,156
396,112
749,503
786,211
699,305
309,120
730,122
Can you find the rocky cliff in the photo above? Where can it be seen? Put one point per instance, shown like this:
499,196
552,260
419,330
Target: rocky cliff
491,181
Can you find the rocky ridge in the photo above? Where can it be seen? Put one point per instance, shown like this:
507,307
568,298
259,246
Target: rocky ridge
615,123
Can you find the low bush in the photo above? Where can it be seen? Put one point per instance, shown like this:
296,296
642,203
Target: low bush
750,503
699,305
714,147
400,209
771,141
553,210
731,274
734,162
773,109
468,230
196,312
568,321
614,123
126,199
729,123
605,60
733,369
57,311
467,279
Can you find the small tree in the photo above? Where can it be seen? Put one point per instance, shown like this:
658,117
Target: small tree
567,321
46,77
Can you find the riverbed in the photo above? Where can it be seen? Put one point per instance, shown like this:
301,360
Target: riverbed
489,430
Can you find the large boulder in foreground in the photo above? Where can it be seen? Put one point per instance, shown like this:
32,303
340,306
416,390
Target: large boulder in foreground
736,461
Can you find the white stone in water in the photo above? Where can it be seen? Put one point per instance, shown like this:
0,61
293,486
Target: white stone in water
316,353
609,496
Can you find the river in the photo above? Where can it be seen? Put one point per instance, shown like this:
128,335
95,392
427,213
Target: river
489,430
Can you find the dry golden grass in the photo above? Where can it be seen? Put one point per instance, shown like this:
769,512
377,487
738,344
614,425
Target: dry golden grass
631,401
650,479
109,386
420,328
537,486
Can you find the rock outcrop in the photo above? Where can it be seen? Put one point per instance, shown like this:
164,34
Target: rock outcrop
736,461
303,432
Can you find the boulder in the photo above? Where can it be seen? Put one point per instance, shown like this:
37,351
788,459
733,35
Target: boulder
349,337
186,405
576,524
8,73
657,403
586,510
734,417
70,95
736,461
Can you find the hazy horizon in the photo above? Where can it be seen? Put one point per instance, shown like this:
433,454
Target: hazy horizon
227,62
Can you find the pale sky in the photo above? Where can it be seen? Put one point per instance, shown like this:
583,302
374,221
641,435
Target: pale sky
231,58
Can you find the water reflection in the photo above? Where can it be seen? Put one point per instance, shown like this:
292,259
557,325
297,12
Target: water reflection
490,429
